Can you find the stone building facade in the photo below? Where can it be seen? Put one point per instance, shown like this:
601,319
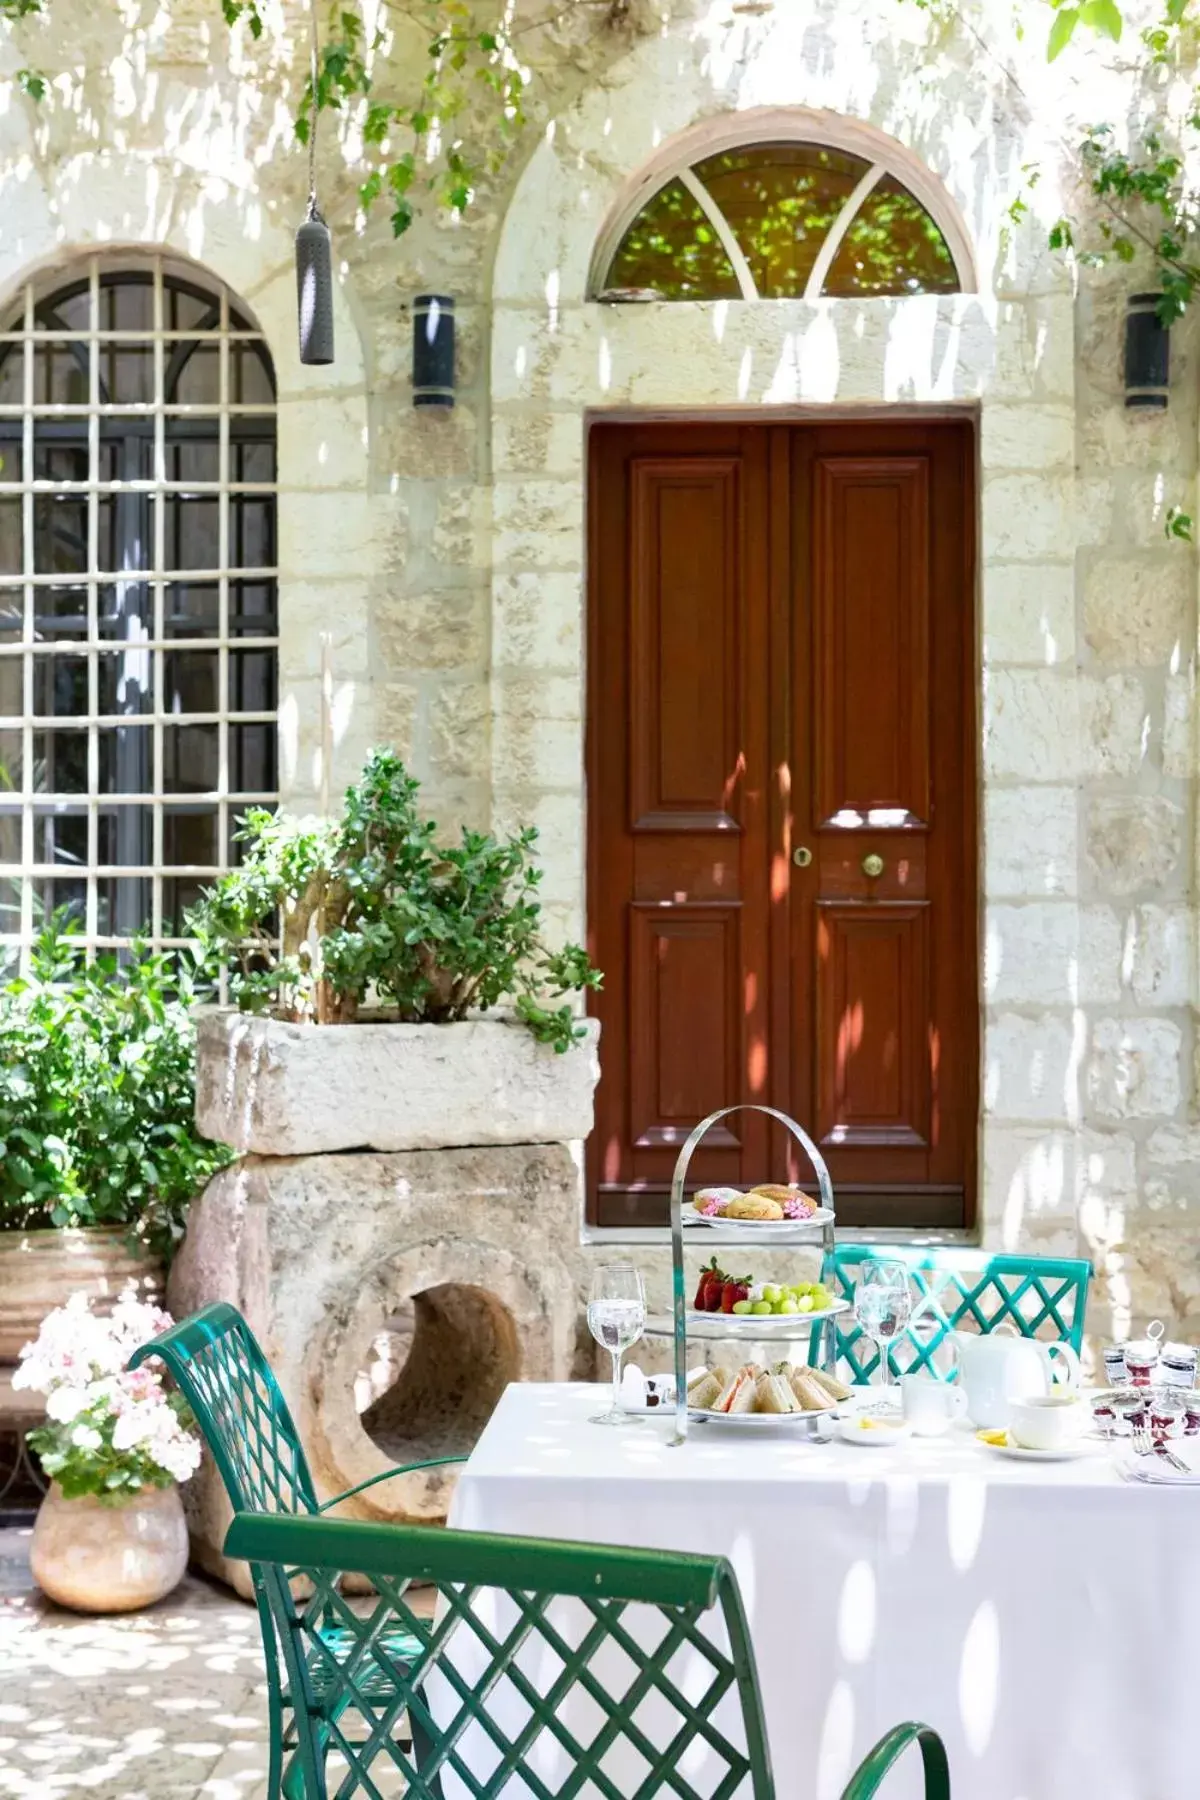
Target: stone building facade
443,554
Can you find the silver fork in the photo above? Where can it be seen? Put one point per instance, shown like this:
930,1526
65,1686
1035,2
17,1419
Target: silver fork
1144,1445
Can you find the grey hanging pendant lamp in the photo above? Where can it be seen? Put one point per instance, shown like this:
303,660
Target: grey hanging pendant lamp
314,250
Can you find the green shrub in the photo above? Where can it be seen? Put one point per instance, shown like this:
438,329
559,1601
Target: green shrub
97,1093
321,919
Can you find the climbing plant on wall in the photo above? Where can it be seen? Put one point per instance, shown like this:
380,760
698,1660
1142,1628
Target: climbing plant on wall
433,123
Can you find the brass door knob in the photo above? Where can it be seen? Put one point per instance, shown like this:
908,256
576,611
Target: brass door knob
872,865
802,856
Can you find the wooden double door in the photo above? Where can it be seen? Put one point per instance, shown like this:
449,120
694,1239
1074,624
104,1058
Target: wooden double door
782,789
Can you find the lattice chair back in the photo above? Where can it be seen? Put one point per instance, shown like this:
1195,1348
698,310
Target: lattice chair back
244,1419
565,1669
960,1290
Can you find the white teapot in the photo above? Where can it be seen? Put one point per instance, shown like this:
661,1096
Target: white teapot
1000,1366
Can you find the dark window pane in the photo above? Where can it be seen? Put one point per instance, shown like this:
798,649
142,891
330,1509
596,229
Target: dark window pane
177,896
60,534
193,375
60,837
184,311
12,762
12,686
251,461
125,837
125,611
252,609
251,758
124,682
55,895
10,837
190,836
250,381
56,458
60,762
780,201
11,457
127,302
194,459
192,540
123,905
68,309
252,680
59,613
12,375
892,247
10,920
60,686
251,531
672,247
12,614
189,759
10,537
60,375
191,609
124,531
126,374
191,681
125,760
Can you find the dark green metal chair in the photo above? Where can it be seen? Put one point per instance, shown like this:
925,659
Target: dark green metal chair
973,1290
543,1664
382,1688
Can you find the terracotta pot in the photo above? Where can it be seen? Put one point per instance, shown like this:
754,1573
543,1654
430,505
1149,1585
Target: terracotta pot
109,1559
39,1270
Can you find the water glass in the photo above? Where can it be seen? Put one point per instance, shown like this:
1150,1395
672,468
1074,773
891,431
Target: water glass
616,1317
882,1306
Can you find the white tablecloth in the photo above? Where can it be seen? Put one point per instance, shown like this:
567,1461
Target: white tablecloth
1044,1617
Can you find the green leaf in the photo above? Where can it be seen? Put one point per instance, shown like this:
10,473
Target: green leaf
1065,21
1102,17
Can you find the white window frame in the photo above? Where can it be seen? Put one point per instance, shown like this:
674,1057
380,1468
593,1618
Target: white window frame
742,131
225,801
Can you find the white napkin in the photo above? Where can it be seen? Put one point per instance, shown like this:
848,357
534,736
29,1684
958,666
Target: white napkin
1156,1471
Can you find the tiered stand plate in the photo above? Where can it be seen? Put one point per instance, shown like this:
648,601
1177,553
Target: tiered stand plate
778,1328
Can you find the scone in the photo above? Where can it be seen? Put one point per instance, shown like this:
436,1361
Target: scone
774,1190
753,1206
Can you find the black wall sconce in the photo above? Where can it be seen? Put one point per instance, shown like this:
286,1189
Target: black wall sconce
433,350
1147,352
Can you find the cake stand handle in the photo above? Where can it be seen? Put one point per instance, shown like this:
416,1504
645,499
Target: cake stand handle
678,1181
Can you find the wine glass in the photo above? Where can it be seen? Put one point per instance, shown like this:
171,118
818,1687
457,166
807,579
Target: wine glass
616,1317
882,1305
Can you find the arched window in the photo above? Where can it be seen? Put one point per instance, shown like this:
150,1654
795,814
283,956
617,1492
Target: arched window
137,595
781,221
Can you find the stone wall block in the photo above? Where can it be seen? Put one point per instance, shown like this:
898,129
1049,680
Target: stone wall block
1051,953
1030,836
1029,1068
1031,725
460,728
1029,613
538,443
1133,1068
1021,437
537,622
1131,842
1158,955
1179,725
445,628
1113,725
1136,608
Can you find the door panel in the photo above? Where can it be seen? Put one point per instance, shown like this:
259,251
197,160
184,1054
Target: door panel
781,659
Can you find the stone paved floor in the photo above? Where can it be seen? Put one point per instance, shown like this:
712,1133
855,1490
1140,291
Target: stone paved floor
168,1704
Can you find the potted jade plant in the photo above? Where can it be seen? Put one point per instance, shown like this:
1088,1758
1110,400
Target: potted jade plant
110,1534
99,1155
389,990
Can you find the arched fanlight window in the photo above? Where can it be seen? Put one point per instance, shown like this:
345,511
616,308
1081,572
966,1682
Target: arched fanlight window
138,614
781,221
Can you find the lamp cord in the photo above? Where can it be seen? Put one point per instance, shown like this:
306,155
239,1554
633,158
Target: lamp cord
313,211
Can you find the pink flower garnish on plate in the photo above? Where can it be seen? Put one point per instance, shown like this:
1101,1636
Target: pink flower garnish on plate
800,1207
710,1208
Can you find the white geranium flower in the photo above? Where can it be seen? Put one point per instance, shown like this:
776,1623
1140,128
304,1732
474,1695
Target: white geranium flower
86,1437
66,1403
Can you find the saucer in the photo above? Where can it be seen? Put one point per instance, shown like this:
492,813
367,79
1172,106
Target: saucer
998,1441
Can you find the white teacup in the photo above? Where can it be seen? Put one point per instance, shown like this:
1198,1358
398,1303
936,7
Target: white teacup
1046,1421
930,1406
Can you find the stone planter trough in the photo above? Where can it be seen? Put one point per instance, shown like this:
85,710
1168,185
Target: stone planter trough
273,1089
40,1270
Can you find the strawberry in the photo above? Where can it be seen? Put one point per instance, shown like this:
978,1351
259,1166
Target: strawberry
733,1290
710,1276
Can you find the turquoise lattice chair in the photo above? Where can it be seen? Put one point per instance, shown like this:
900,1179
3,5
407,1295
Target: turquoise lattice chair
607,1696
971,1290
370,1696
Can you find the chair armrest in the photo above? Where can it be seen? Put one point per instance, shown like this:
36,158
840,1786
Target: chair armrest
435,1462
888,1751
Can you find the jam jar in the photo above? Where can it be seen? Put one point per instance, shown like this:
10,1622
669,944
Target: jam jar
1114,1366
1191,1413
1166,1416
1177,1366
